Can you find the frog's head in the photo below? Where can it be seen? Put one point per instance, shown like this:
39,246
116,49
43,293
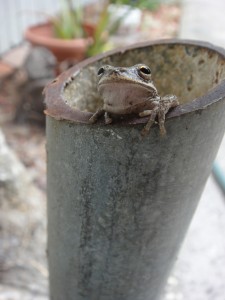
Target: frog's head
139,74
123,87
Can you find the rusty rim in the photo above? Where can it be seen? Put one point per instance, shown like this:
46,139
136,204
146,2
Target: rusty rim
58,109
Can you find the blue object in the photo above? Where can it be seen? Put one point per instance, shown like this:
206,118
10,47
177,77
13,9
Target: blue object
219,175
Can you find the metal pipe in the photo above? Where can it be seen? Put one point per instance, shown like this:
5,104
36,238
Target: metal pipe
119,205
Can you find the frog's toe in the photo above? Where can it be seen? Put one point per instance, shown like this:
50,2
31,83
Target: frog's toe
145,113
108,120
96,116
92,120
162,130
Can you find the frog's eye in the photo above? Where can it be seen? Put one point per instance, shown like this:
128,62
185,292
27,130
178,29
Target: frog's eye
145,70
101,71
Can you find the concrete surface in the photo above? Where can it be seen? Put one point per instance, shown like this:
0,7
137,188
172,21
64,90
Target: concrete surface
199,273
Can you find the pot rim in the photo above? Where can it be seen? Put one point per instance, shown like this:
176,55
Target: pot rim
31,35
57,108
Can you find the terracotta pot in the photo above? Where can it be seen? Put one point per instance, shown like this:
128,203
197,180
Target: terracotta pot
43,35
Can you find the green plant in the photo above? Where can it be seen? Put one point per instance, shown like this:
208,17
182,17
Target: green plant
106,28
150,5
102,32
142,4
68,23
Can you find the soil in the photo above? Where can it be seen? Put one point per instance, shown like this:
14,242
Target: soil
23,265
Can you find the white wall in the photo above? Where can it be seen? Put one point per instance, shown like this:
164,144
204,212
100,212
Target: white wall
16,15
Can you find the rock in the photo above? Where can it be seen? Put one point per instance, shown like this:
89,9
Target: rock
24,84
13,177
40,63
39,67
22,230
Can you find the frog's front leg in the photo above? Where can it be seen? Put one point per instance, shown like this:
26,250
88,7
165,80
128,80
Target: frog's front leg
98,114
151,121
161,108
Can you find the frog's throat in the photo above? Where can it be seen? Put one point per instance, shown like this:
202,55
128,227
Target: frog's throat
130,109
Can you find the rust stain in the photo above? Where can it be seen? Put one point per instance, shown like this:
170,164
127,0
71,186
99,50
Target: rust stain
201,61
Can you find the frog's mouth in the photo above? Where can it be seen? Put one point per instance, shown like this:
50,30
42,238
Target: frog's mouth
124,83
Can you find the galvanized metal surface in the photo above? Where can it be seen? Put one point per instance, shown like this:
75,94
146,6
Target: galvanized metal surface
119,204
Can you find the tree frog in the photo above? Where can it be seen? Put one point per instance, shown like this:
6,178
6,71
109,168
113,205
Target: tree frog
130,90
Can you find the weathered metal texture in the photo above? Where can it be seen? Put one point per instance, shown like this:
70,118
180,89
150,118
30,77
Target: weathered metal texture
119,204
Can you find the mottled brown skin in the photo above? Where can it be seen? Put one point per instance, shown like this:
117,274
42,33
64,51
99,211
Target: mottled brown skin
131,91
